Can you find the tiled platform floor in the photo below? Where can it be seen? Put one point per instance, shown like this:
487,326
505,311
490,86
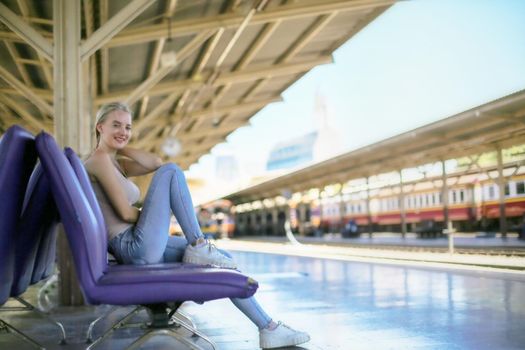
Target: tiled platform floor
342,304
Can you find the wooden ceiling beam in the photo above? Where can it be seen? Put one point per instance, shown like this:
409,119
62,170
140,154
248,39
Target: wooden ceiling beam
245,60
25,115
176,117
44,94
307,36
144,141
29,35
26,91
19,64
43,63
141,124
155,57
209,132
293,50
151,81
233,20
224,78
104,51
184,103
258,43
112,27
21,68
243,107
229,46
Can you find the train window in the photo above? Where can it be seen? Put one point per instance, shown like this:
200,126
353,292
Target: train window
507,189
453,196
520,187
461,196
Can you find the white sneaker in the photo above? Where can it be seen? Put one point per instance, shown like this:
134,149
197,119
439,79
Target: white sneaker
207,254
281,336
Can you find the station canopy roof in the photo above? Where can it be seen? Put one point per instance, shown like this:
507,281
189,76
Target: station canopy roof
497,124
192,69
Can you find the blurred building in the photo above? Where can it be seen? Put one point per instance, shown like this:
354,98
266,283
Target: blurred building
315,146
291,153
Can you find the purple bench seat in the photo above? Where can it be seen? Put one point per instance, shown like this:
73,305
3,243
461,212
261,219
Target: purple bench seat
154,286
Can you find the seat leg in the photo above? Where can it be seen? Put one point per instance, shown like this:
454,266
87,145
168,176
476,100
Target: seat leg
44,303
89,335
46,316
161,324
113,328
167,332
196,333
181,317
10,329
177,319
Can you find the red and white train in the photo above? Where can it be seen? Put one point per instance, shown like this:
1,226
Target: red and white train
473,205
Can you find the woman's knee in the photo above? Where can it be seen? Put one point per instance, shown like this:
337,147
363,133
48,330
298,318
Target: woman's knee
168,167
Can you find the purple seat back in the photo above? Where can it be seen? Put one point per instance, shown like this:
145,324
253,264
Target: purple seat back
87,243
17,160
101,284
83,178
35,241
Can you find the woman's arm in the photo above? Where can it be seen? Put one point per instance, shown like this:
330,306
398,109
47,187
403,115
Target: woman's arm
138,162
101,167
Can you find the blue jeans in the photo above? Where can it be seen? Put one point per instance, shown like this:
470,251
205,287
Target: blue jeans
148,242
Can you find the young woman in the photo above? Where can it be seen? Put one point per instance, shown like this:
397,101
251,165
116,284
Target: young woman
141,236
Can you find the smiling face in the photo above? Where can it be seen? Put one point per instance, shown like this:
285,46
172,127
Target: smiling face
115,130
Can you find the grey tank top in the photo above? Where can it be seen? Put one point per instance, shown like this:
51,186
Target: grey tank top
114,224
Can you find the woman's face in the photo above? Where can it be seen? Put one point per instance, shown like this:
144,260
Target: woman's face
115,130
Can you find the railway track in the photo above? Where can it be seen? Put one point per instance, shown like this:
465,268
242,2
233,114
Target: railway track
493,251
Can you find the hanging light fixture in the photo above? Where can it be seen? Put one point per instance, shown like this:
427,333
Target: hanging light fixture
171,146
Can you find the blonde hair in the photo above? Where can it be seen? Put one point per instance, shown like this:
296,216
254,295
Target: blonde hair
105,110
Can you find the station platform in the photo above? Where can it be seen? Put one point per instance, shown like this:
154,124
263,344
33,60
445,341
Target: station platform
483,240
344,301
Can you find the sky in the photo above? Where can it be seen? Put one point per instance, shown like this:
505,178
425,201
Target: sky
419,62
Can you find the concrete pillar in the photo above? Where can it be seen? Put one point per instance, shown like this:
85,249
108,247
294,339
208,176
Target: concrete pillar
501,187
402,210
275,221
444,197
302,218
71,102
72,128
252,228
368,214
342,209
262,213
